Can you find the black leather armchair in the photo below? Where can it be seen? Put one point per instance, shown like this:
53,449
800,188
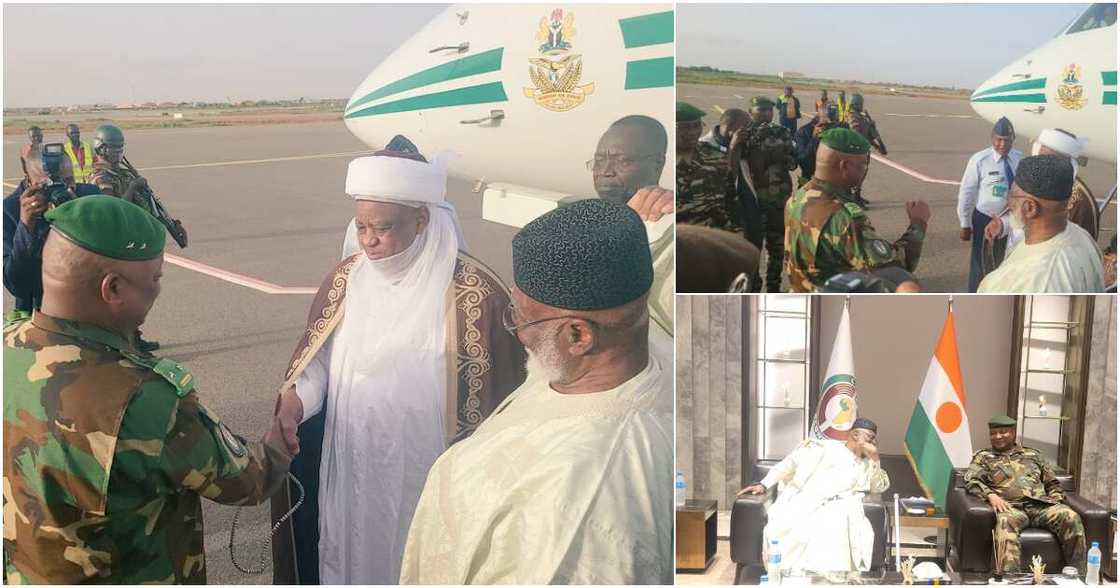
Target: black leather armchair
971,521
748,517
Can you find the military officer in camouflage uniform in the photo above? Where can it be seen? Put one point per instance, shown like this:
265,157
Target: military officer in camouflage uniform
704,195
109,175
828,233
1021,487
860,121
767,150
108,451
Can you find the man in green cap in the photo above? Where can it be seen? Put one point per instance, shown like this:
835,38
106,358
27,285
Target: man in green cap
765,154
828,233
1020,485
704,197
860,121
107,450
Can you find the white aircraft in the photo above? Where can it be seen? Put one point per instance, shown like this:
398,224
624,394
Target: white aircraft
522,93
1069,83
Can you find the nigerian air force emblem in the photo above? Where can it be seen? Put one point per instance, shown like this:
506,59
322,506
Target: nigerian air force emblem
556,73
1071,94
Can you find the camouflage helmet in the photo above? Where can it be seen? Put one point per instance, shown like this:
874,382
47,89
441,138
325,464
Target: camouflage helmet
109,136
857,101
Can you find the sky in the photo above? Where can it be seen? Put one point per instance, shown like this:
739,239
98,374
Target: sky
82,54
948,45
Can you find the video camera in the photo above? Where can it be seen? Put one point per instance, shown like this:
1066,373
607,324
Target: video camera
55,190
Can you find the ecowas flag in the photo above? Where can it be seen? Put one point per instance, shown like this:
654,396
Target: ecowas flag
836,410
937,439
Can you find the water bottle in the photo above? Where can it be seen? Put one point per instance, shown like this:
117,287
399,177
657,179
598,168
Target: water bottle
1093,567
774,563
678,488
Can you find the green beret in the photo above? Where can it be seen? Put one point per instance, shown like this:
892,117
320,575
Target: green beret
845,141
688,113
589,255
109,226
761,102
1001,421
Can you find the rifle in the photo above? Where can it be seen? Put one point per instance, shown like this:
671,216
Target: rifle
174,227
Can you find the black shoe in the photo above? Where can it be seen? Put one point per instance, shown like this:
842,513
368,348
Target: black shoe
146,346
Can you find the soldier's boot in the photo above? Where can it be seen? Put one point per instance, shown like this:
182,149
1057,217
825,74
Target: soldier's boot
1008,526
1066,525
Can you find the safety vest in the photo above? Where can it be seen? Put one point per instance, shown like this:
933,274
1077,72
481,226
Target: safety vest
842,108
82,169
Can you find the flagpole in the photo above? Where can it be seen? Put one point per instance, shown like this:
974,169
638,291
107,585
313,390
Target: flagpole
950,304
848,303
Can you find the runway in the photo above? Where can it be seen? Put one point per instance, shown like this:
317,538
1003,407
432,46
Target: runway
265,210
929,141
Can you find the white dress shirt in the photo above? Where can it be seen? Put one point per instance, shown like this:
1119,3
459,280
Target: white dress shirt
984,185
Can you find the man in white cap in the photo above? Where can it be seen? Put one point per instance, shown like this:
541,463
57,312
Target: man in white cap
1082,206
403,355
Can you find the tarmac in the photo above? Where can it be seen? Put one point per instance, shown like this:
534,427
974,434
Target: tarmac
264,232
929,141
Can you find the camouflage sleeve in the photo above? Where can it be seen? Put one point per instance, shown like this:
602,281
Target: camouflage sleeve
857,240
974,478
1050,481
202,454
908,247
104,184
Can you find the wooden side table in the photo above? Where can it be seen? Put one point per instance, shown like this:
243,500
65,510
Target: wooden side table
937,521
696,535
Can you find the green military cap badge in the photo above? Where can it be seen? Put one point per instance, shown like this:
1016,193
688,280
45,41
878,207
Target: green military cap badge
761,102
845,141
1001,421
688,113
109,226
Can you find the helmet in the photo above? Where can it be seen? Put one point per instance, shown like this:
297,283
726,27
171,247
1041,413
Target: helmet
108,136
857,101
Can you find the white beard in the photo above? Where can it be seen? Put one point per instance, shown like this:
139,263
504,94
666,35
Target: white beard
544,364
1016,220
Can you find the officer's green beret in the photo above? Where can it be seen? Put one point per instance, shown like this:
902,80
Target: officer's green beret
1001,420
589,255
688,113
845,141
109,226
761,102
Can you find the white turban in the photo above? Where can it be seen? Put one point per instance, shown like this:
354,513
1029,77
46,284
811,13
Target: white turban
398,180
1062,143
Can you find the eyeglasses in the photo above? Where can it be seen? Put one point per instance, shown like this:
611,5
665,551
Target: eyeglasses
617,162
509,320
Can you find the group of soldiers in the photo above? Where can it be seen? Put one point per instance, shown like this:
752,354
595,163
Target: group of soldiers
84,170
736,178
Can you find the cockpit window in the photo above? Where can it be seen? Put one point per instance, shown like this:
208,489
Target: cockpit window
1097,16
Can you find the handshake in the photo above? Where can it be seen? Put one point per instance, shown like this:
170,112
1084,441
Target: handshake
289,414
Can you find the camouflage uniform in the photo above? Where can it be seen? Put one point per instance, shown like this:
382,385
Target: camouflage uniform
704,193
106,455
861,122
1022,477
827,234
115,182
770,158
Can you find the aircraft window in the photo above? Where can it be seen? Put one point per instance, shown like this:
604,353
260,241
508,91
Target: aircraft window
1097,16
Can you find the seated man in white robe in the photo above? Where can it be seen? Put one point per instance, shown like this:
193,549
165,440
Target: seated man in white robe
569,481
818,517
1056,255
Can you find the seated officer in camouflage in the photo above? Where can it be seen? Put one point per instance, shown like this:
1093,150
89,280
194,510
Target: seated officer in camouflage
704,194
1021,487
828,233
108,451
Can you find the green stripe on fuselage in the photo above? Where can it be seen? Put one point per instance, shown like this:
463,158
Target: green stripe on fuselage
1032,98
646,30
1110,98
1023,85
460,68
1108,77
481,94
649,73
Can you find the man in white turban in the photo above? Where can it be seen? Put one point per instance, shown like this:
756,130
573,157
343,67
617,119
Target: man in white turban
403,355
1082,206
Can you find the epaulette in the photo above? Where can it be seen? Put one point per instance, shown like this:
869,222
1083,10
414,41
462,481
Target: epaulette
979,451
176,375
854,210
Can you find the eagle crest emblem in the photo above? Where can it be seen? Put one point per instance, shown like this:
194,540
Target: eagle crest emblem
557,72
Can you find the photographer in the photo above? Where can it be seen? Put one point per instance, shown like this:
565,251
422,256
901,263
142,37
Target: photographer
48,181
